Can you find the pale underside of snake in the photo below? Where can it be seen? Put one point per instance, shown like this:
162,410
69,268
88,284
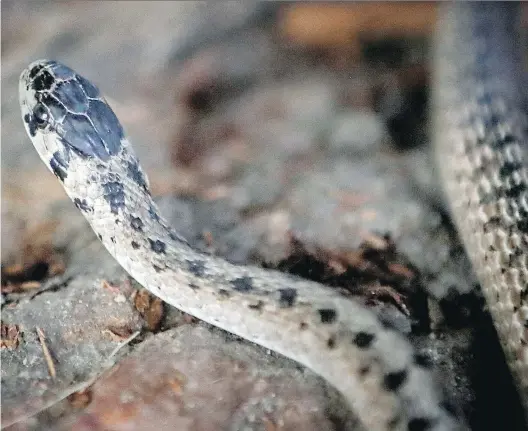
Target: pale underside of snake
480,133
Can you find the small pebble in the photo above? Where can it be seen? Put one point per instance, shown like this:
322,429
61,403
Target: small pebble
120,298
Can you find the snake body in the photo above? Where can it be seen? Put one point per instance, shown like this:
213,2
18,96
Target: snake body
386,383
480,130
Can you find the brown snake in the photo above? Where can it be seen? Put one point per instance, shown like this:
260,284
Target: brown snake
479,129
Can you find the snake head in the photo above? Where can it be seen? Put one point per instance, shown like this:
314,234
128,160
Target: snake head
64,112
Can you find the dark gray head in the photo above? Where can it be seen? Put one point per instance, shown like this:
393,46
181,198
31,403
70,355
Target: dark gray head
62,111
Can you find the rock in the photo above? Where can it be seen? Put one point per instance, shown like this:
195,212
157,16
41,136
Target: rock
190,378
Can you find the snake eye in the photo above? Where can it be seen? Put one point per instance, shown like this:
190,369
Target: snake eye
41,115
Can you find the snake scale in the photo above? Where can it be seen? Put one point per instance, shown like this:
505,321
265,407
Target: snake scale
479,129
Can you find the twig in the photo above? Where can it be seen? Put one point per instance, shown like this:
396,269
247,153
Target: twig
47,355
124,343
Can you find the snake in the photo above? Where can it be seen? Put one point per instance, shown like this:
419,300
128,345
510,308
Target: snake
479,133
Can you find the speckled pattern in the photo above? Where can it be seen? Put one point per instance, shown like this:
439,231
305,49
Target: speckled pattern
376,370
480,132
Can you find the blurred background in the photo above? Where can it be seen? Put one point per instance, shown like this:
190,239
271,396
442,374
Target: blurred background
253,120
190,80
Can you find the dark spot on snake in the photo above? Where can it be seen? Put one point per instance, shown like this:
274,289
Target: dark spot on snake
363,340
41,116
193,286
137,176
257,306
515,191
393,381
364,370
153,214
387,323
136,223
287,297
82,204
196,267
509,168
419,424
327,315
63,159
303,326
57,168
423,360
114,195
36,69
242,284
492,222
100,236
224,293
134,245
43,81
331,343
501,143
157,268
492,121
32,127
112,238
157,246
516,253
